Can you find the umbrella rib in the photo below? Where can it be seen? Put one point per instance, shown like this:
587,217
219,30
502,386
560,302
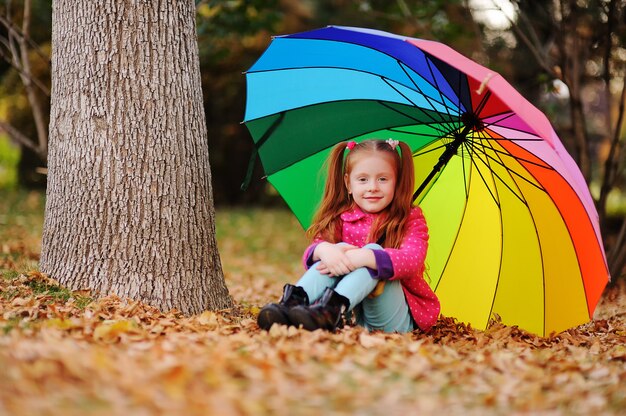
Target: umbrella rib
482,177
428,151
500,162
442,102
456,237
434,122
508,114
509,139
525,203
571,237
414,105
430,100
482,103
486,162
465,178
308,155
493,173
420,134
518,158
432,73
398,130
532,217
521,159
342,68
458,92
510,170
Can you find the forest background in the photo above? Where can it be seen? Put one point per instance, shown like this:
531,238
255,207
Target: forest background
566,57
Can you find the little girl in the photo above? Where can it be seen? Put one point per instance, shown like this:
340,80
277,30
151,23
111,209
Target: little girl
368,248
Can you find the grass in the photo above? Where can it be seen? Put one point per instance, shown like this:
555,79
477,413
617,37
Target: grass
57,294
21,223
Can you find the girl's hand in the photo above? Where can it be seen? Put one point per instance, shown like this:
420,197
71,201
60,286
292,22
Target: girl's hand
333,258
362,257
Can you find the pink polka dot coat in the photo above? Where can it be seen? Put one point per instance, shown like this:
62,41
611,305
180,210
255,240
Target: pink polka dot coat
405,263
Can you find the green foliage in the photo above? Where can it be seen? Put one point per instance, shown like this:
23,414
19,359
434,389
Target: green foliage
616,200
223,26
447,21
236,17
9,158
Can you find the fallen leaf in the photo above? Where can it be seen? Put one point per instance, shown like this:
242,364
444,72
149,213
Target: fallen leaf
111,331
207,319
370,341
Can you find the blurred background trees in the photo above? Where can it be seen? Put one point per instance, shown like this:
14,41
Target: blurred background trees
25,31
568,57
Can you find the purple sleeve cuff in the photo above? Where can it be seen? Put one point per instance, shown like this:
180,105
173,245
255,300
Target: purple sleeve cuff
308,256
383,264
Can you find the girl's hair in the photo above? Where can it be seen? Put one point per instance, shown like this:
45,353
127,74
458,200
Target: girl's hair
391,223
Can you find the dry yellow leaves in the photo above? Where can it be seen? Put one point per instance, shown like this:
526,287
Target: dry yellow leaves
114,330
115,356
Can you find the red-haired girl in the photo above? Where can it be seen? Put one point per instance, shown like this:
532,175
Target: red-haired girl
368,248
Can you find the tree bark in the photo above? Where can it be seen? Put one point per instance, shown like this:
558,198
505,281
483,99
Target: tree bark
129,205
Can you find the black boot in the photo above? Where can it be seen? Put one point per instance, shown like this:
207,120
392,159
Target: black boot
276,313
326,313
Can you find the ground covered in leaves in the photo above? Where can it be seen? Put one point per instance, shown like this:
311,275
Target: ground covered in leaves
62,352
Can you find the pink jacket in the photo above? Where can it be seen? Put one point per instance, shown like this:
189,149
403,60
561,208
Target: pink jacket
405,263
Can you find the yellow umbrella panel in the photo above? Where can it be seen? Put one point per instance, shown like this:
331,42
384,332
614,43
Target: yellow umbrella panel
500,244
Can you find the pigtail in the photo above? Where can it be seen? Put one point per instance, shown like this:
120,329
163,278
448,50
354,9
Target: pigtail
406,176
335,200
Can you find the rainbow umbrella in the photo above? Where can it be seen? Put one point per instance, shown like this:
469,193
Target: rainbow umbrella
513,228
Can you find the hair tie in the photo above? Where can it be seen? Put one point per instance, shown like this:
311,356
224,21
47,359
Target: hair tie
393,143
351,145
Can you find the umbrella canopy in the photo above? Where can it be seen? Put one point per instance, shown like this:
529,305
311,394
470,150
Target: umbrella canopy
513,228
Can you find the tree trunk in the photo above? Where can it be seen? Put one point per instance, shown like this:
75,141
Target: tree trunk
129,205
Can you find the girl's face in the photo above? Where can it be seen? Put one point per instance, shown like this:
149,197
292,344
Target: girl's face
372,181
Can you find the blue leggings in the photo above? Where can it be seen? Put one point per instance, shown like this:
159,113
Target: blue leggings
387,312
